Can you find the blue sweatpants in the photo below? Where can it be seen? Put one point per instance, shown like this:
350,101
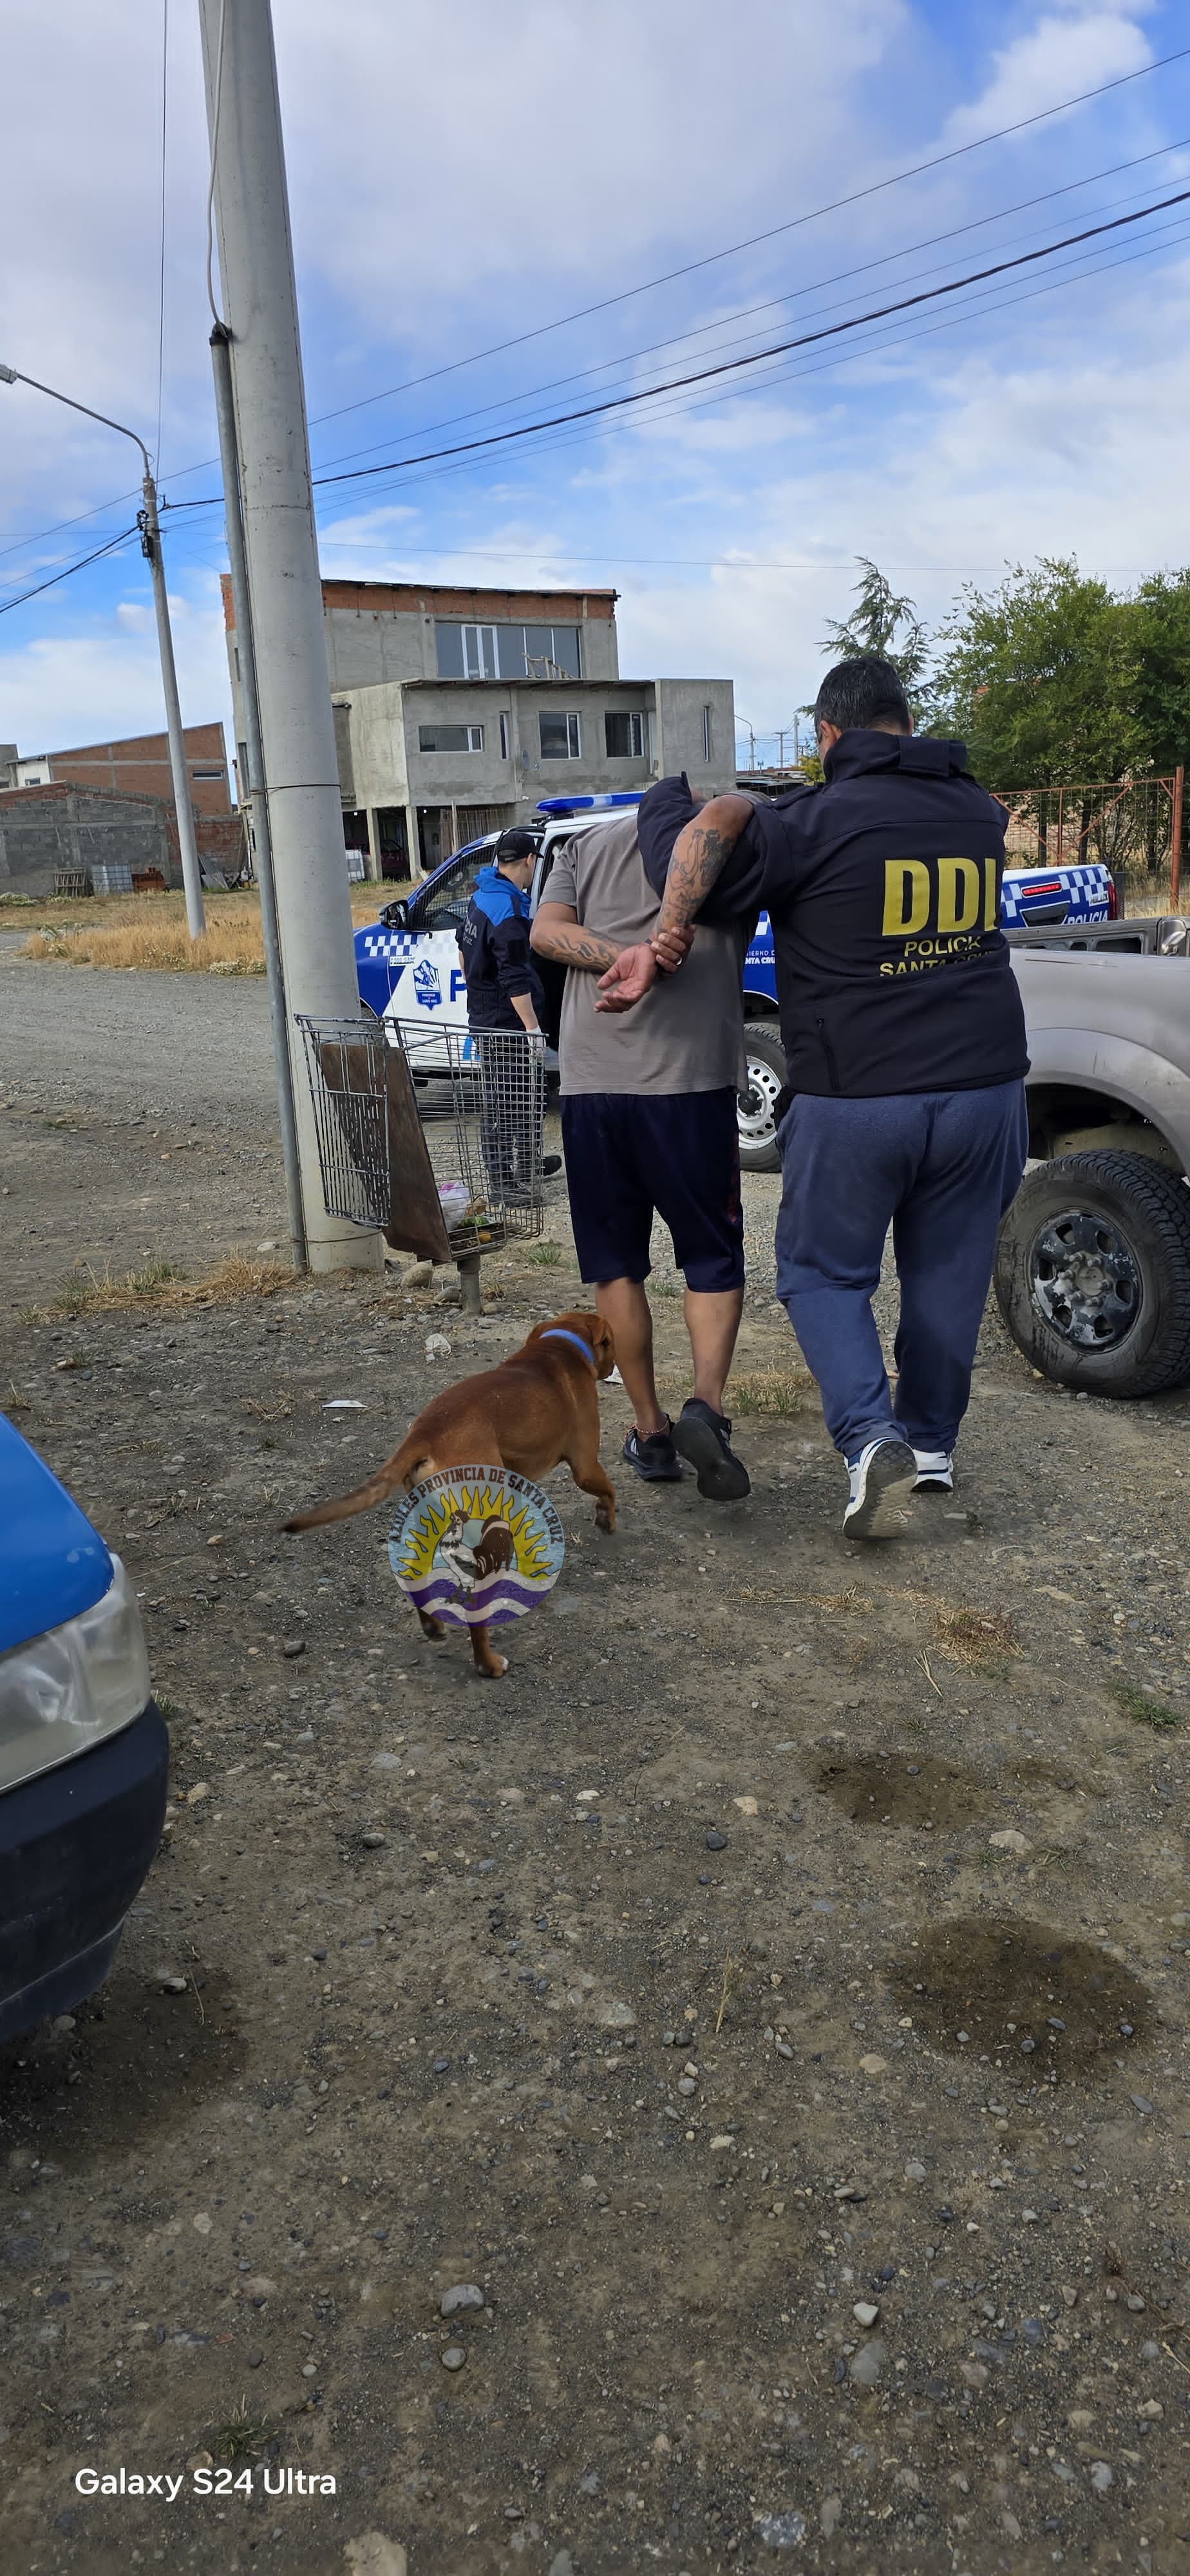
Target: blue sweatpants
941,1167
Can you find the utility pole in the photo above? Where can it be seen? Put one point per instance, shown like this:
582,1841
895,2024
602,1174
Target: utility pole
300,771
150,538
254,785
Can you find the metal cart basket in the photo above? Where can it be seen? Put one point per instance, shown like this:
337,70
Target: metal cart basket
433,1136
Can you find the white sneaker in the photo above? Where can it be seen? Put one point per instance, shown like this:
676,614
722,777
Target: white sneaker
882,1480
935,1471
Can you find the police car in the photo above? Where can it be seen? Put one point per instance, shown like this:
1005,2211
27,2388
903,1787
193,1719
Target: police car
407,962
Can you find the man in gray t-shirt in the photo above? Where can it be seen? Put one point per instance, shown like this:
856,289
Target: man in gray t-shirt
649,1127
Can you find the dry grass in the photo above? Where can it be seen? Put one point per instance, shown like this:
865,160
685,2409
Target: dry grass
849,1604
92,1292
976,1639
149,931
771,1391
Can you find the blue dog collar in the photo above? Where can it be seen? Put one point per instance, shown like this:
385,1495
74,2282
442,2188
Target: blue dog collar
558,1333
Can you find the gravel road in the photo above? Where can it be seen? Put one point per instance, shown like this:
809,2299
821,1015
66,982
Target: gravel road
193,1049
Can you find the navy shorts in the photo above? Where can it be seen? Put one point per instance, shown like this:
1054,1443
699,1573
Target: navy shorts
630,1155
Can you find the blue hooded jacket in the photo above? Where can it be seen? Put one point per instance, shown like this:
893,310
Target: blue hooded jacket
497,959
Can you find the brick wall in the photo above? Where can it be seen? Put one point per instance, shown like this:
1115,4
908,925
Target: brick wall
139,766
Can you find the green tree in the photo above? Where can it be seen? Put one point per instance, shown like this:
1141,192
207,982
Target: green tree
1161,612
1044,677
882,623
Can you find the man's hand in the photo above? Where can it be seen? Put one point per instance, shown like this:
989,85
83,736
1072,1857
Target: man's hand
671,947
700,853
629,979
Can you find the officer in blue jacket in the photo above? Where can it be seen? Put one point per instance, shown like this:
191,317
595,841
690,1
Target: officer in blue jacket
504,995
905,1038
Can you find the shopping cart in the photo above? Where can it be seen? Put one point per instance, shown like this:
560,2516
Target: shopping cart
430,1135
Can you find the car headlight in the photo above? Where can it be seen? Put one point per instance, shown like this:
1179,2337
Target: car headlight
69,1688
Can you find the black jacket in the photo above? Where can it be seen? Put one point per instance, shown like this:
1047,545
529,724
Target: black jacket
497,959
883,890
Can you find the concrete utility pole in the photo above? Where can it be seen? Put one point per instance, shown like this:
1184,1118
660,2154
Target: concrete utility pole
254,783
251,211
150,537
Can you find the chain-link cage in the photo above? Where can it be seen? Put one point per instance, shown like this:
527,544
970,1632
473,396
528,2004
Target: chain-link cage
482,1104
402,1112
345,1065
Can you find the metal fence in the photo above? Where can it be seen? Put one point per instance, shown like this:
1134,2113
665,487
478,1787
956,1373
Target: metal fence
429,1134
482,1104
1132,825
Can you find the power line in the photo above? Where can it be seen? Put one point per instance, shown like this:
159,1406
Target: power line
9,604
862,349
917,170
400,465
774,231
731,366
793,295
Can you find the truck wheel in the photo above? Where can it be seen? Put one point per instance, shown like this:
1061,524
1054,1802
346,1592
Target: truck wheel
1093,1273
756,1104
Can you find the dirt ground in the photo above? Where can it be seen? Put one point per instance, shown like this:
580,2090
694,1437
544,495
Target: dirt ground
770,1998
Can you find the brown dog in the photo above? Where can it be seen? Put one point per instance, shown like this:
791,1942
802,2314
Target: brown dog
530,1412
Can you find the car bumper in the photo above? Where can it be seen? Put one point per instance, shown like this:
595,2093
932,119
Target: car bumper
75,1845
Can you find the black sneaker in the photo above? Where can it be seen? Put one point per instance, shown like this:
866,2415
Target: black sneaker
656,1460
550,1163
705,1439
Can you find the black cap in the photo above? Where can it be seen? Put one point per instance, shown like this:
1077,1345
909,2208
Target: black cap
516,843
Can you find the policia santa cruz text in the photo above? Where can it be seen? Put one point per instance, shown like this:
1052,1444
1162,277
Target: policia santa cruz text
905,1039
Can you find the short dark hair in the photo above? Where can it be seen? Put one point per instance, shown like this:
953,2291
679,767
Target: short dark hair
517,843
867,692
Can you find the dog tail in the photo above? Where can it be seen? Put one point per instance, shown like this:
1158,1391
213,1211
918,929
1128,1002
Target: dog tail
405,1467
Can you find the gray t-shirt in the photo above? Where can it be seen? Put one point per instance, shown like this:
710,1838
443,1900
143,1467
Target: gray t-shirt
688,1033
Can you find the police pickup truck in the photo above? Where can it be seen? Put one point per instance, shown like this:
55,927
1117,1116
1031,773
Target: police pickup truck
407,961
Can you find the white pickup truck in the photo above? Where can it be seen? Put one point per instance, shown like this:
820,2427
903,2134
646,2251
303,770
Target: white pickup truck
1093,1270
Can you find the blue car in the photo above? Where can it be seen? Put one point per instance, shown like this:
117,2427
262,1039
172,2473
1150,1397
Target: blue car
408,969
84,1751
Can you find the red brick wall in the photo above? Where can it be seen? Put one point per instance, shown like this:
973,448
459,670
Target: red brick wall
410,598
139,766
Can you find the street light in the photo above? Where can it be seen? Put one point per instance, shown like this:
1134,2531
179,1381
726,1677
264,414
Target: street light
150,538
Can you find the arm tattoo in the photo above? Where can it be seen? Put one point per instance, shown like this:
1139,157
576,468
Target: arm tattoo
570,945
698,861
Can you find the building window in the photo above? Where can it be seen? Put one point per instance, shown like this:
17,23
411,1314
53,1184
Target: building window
706,734
624,736
450,737
546,652
466,652
507,652
206,773
560,738
503,735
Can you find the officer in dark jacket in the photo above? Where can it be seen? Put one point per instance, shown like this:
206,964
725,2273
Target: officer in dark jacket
905,1038
504,995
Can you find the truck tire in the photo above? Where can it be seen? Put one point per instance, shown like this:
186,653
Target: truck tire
1093,1273
757,1102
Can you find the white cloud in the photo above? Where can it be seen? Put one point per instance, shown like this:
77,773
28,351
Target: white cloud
458,174
1063,56
104,678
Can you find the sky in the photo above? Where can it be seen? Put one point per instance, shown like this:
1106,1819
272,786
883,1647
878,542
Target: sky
463,180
